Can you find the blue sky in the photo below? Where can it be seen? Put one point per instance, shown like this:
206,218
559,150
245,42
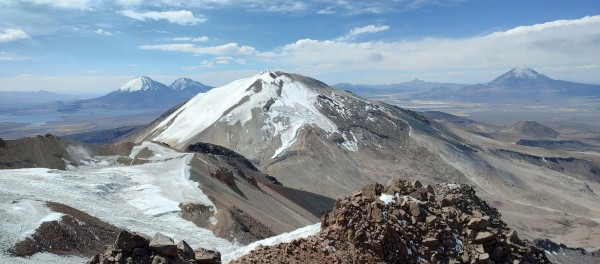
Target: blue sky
92,46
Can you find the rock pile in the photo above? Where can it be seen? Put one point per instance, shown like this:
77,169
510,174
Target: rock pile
136,248
406,223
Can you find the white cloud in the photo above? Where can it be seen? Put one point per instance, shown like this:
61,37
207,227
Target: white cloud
129,2
230,49
548,25
196,39
560,43
368,29
200,39
67,4
363,30
181,17
564,44
103,32
12,34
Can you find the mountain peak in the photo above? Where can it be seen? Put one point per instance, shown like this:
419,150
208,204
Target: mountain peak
182,84
521,76
141,83
524,72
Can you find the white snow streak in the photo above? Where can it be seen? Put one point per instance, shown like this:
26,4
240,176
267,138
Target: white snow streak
283,238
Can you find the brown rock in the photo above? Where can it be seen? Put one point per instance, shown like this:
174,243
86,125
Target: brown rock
205,256
445,203
376,214
513,237
417,184
159,260
417,195
127,241
430,242
185,251
430,220
483,237
477,223
484,259
415,209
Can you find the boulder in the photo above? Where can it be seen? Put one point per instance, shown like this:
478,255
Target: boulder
185,251
415,209
127,241
477,223
164,245
483,237
205,256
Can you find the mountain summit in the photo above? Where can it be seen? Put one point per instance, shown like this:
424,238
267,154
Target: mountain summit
144,93
187,84
142,83
521,77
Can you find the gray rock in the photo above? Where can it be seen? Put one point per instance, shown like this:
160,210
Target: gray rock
163,245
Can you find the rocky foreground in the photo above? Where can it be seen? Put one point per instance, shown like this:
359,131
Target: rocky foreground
136,248
407,223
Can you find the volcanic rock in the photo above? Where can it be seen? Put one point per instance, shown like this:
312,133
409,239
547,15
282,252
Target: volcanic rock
351,234
134,248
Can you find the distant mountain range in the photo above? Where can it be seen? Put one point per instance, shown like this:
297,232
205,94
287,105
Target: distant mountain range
143,93
519,85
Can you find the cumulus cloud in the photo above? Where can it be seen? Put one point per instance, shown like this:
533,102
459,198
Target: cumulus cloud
565,42
553,45
181,17
103,32
12,34
230,49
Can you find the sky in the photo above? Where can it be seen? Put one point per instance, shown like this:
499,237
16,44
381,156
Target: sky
94,46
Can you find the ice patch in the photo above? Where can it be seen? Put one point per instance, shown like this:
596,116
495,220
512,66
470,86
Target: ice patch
283,238
154,187
52,217
386,198
147,198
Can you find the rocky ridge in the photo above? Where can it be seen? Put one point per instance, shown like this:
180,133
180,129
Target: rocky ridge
407,223
136,248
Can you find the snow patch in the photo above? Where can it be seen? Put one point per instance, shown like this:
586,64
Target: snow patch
52,217
386,198
282,238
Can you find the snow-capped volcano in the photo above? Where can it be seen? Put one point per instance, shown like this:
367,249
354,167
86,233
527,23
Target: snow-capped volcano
284,103
182,84
142,83
144,93
276,118
521,77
